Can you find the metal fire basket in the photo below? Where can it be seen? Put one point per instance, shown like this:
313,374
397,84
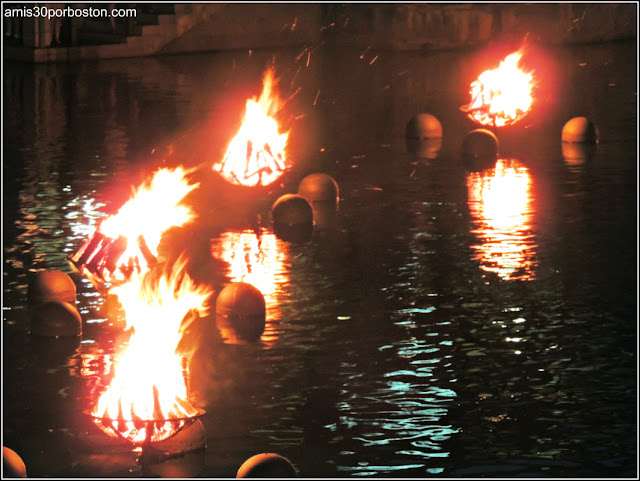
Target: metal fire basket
129,430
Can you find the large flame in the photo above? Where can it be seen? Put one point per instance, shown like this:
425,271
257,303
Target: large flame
150,381
126,243
501,206
256,155
501,96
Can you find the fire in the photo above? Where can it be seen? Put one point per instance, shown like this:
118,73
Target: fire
150,380
501,96
125,244
256,155
501,205
147,399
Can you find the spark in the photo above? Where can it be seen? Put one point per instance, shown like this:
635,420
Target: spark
301,54
292,95
293,25
295,76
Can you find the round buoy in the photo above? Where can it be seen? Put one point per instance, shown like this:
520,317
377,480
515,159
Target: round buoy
480,144
325,216
580,130
292,217
240,313
12,464
267,465
424,126
51,285
574,154
319,188
52,352
56,319
424,148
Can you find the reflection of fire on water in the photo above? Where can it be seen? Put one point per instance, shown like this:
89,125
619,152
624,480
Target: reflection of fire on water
256,155
256,259
501,96
125,244
500,203
147,399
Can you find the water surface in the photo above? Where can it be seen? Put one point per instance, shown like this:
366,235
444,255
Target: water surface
453,322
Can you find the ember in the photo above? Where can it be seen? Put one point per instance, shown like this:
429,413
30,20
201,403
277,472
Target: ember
502,96
256,155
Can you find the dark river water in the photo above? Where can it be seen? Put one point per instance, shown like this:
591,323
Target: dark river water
452,322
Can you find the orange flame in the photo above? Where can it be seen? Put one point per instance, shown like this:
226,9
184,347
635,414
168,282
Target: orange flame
138,227
501,205
501,96
256,155
150,378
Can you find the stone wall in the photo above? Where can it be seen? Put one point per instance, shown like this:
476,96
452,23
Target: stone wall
429,26
245,26
200,27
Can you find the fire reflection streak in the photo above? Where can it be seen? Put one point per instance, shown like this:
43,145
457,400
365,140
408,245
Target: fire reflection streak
501,206
257,259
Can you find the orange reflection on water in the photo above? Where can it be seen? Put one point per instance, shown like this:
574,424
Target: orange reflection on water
258,259
501,206
99,364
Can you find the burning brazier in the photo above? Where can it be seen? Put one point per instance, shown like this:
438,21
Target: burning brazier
501,96
256,155
125,245
147,401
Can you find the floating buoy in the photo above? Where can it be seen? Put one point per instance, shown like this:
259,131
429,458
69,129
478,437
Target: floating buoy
12,464
292,217
574,154
52,352
424,148
56,319
323,193
319,188
424,126
480,145
240,313
580,130
51,285
267,465
325,216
